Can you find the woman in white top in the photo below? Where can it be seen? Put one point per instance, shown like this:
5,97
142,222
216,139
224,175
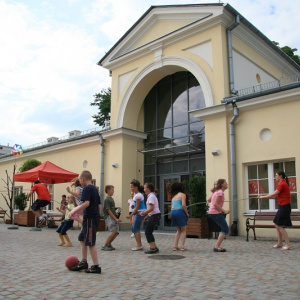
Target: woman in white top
153,215
139,206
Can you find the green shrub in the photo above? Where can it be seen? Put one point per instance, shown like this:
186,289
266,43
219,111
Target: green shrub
196,189
20,201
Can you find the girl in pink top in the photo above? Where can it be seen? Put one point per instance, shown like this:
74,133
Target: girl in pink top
216,211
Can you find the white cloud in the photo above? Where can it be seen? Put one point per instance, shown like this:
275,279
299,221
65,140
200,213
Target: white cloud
50,49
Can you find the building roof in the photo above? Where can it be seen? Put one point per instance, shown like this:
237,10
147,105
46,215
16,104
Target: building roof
228,7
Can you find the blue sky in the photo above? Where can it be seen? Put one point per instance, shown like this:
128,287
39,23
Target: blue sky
50,49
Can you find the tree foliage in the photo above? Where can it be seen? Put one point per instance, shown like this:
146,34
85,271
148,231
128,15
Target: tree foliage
9,190
196,190
29,164
290,52
20,201
102,101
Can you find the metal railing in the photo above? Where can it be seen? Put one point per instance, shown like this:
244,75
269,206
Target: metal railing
269,85
66,138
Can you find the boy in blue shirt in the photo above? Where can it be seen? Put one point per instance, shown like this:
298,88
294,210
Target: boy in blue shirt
91,217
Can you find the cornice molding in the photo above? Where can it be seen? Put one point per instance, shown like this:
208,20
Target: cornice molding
247,105
124,132
56,147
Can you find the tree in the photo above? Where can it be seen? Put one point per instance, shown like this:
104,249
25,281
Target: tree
290,52
29,164
9,189
102,100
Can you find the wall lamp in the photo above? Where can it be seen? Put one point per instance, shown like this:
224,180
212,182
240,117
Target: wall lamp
215,152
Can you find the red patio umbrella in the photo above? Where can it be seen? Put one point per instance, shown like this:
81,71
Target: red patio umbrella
48,173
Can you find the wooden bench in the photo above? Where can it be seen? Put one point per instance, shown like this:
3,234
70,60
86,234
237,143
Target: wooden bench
267,216
54,217
2,214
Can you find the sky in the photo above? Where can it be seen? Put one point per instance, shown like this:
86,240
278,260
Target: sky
49,50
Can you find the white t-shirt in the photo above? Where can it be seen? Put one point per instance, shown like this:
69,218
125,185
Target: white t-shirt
152,199
130,204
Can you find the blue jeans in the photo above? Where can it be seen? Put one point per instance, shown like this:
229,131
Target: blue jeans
220,220
65,226
137,222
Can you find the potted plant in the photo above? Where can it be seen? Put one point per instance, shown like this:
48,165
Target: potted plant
20,201
196,191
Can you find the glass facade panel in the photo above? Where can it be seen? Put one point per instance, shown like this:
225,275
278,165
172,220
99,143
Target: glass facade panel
180,102
164,111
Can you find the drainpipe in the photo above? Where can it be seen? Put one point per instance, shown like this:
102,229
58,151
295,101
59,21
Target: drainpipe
233,170
102,169
230,55
232,133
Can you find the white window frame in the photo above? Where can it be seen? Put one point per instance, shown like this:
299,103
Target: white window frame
271,185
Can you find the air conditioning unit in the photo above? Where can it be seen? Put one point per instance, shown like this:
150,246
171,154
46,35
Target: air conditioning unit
74,133
52,140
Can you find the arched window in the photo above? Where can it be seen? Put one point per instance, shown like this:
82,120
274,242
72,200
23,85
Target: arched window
174,137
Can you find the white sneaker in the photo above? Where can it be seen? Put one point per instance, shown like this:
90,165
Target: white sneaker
132,235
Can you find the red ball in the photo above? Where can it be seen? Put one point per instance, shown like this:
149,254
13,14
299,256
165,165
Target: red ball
72,261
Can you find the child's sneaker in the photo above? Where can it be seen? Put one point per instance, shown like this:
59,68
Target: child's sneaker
81,266
94,269
111,247
42,222
106,248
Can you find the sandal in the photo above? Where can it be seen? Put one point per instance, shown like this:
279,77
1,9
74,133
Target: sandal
175,248
183,249
219,250
286,248
277,246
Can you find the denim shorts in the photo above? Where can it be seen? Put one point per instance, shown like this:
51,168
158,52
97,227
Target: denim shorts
111,224
137,222
220,220
65,226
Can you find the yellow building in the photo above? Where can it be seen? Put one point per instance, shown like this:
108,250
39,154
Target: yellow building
196,90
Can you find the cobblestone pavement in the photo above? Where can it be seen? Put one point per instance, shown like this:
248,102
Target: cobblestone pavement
33,268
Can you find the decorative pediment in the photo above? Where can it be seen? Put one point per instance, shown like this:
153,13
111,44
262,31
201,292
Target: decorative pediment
159,24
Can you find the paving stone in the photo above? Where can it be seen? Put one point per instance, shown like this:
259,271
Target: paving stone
247,271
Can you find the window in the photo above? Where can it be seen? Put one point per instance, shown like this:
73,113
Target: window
51,190
17,191
173,134
261,181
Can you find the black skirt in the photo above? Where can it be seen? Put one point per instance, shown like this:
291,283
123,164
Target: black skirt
283,216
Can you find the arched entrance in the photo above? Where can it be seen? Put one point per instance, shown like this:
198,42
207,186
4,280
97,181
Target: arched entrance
175,145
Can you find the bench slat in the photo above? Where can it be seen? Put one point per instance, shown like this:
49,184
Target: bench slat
268,216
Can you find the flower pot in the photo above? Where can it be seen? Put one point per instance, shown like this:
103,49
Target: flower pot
197,227
26,218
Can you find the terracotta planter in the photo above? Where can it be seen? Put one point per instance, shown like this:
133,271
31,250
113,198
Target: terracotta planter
26,218
101,226
197,227
16,219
